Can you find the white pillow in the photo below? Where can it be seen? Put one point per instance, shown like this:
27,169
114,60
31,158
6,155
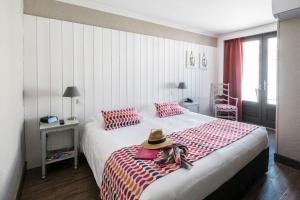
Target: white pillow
185,110
98,119
148,111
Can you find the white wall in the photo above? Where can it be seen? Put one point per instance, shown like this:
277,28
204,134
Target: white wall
288,112
279,6
112,69
11,97
244,33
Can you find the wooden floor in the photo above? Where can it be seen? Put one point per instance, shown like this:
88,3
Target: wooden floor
64,182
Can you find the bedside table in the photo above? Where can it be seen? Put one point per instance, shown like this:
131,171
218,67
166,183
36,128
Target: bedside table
193,107
46,129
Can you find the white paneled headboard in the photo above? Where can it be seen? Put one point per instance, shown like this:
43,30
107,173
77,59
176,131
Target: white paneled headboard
111,68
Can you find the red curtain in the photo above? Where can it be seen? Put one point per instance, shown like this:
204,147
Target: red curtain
233,69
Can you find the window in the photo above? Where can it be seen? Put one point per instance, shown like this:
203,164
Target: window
250,80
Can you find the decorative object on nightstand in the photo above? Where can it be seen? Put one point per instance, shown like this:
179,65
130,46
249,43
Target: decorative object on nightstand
58,155
71,92
193,107
49,119
61,122
182,86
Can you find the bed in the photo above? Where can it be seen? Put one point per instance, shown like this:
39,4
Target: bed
208,174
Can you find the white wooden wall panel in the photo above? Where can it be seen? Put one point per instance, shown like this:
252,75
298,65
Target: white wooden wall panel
161,53
43,64
199,72
150,69
32,137
67,63
189,73
56,67
166,77
144,66
137,69
181,69
88,33
123,70
98,68
79,70
115,69
185,71
176,70
112,69
67,35
194,73
156,70
130,68
107,50
171,72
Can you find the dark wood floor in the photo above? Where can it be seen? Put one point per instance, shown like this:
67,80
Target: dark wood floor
64,182
280,183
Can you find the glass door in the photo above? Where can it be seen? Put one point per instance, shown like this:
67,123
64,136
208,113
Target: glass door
269,80
259,79
251,95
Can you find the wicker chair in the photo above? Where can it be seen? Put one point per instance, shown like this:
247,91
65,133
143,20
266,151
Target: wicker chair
222,107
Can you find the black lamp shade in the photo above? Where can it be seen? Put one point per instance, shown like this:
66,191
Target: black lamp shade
182,85
71,92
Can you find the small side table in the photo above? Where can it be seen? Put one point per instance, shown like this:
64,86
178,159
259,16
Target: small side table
46,129
193,107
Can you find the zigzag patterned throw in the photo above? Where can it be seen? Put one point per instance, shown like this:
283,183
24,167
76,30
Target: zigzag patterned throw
126,178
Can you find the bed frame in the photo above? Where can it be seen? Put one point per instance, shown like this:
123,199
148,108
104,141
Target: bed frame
237,186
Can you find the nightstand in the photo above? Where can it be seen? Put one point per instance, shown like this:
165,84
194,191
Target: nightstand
47,129
193,107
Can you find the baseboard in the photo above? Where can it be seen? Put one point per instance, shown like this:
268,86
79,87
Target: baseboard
287,161
18,196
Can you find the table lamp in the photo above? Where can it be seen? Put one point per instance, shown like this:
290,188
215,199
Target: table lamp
71,92
182,86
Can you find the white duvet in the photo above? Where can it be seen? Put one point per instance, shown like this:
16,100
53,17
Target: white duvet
207,173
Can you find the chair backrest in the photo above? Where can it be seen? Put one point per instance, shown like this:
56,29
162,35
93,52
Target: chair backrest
222,93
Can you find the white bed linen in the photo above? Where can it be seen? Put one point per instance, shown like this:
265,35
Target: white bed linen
205,177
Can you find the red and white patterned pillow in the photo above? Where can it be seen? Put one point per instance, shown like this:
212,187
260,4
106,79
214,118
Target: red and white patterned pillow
168,109
120,118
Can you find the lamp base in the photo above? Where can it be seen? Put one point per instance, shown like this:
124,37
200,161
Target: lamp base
72,118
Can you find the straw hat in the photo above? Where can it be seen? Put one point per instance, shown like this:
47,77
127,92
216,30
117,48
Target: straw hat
157,140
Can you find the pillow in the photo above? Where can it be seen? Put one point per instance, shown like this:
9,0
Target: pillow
120,118
148,111
98,119
168,109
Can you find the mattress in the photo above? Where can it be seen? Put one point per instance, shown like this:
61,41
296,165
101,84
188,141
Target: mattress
205,177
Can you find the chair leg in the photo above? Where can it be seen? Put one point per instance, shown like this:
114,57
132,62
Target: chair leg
236,115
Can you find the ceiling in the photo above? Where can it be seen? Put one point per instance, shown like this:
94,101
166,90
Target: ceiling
211,17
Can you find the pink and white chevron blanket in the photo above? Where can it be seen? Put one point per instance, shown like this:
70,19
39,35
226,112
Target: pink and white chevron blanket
124,177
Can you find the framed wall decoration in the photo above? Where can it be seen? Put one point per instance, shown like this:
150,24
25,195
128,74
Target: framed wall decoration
203,61
190,60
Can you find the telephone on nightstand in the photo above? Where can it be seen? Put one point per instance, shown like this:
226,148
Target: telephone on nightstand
49,119
188,100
